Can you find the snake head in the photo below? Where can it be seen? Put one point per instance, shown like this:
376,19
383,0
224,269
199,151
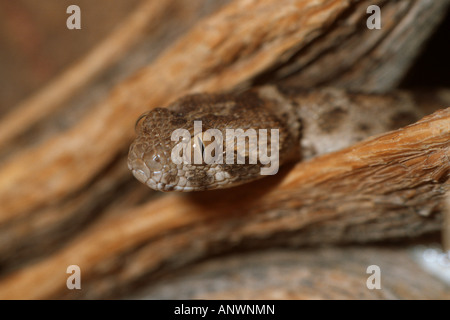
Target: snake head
184,147
149,154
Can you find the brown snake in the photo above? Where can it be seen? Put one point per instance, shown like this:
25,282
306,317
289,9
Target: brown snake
309,124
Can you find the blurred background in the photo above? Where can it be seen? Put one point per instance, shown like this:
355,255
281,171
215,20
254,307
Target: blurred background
36,44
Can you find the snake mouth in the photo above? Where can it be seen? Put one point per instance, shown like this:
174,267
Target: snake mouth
140,170
164,187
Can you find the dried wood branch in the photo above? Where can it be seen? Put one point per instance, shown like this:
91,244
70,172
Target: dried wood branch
319,273
384,54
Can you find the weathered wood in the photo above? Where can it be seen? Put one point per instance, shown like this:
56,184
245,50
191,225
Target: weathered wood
319,273
361,59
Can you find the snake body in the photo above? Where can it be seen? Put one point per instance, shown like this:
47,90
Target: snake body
309,124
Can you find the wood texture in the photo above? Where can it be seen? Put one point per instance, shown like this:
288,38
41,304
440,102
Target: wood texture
319,273
67,198
348,49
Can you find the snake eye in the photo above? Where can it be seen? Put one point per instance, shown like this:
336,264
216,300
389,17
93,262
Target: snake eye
142,116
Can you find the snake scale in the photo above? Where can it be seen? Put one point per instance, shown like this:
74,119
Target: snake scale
309,123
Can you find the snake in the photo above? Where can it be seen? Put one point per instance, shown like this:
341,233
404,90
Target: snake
309,123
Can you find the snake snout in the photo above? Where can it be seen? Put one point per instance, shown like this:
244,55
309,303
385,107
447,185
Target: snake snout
148,165
139,170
